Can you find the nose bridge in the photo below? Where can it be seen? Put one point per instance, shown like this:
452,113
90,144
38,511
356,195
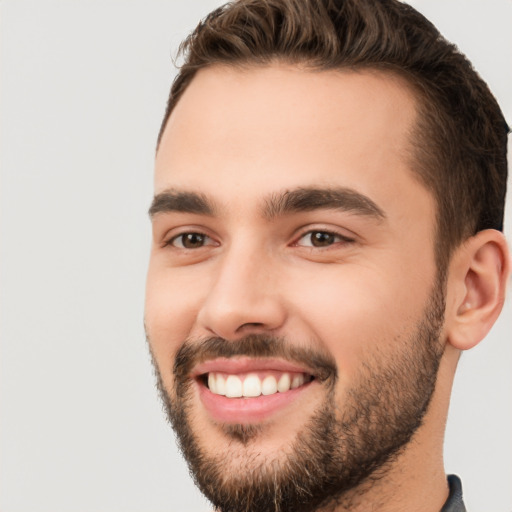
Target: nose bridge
244,295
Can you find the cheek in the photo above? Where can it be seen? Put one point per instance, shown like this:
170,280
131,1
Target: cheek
170,310
353,312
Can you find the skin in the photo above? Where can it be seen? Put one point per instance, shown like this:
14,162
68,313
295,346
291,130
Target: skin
239,136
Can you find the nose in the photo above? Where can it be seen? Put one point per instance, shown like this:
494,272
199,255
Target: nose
244,298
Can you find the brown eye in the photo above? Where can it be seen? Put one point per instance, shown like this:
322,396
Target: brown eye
321,239
190,241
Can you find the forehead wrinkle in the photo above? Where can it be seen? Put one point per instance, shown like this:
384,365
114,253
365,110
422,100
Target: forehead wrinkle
305,199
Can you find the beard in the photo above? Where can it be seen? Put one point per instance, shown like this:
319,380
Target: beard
339,449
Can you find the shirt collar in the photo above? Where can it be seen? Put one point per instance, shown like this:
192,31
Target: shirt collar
454,503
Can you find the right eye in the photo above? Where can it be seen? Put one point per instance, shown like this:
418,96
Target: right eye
190,241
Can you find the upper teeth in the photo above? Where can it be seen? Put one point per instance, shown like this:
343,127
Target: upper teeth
251,385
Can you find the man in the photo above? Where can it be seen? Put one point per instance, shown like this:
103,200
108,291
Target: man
329,193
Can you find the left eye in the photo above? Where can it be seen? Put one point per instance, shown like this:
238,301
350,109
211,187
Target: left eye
190,241
320,239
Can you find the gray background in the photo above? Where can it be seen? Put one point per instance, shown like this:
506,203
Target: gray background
83,88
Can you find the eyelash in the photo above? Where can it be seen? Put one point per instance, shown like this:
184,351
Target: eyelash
338,238
172,240
333,238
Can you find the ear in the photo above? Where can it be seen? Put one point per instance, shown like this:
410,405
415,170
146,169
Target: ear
477,280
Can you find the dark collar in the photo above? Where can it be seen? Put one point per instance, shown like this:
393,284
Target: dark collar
454,502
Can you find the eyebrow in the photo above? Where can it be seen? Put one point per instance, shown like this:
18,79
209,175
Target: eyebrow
181,201
310,199
298,200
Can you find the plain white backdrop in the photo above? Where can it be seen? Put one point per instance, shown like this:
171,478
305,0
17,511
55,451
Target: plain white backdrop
83,89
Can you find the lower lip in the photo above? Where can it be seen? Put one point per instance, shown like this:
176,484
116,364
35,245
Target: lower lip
247,410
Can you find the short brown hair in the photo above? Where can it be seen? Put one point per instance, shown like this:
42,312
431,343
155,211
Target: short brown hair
459,144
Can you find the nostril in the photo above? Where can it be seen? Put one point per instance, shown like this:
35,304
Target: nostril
250,326
230,316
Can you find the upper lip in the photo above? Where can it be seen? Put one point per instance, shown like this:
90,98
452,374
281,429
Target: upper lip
247,364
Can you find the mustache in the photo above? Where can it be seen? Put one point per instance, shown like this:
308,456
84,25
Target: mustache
193,352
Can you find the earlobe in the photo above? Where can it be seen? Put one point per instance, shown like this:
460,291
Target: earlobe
480,269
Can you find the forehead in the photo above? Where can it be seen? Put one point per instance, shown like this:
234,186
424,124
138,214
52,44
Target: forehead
251,131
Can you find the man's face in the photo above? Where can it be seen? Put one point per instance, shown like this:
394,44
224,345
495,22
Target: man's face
292,263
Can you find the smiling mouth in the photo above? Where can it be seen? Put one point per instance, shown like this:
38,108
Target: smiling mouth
253,384
245,390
